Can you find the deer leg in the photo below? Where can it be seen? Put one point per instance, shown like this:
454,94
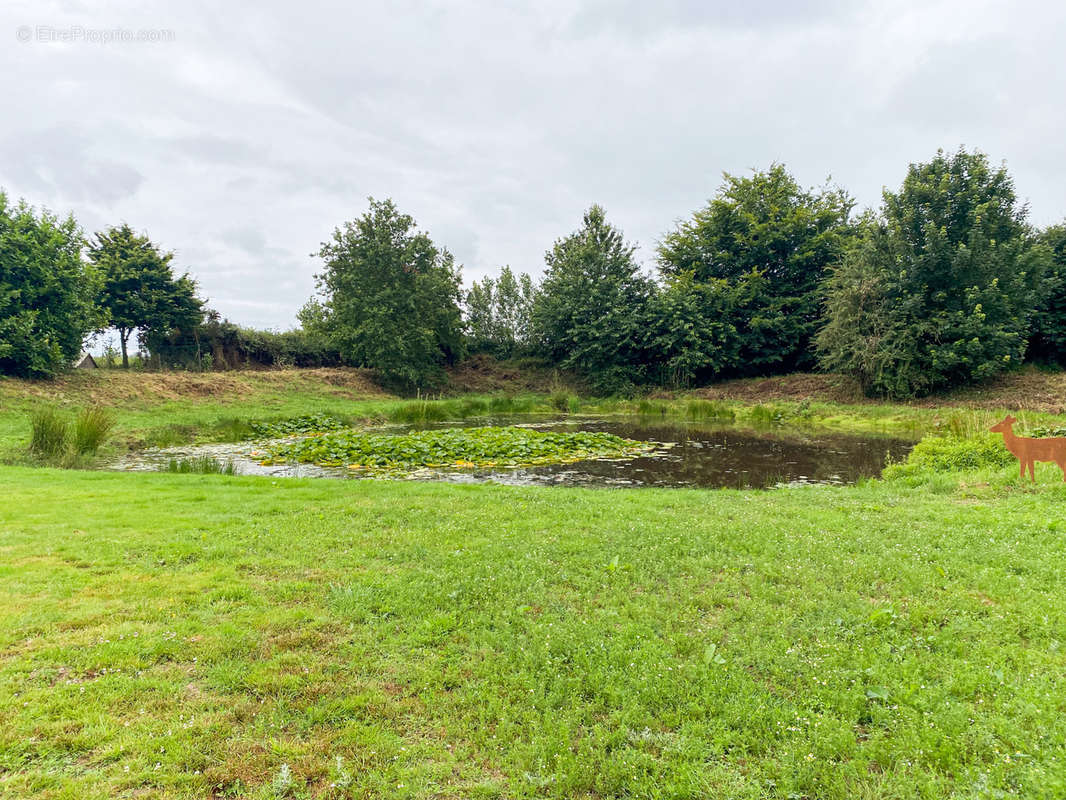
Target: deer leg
1021,465
1032,471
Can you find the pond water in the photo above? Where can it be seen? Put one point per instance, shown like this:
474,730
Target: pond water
693,455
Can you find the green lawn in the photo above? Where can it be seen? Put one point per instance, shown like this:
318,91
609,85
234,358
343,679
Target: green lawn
241,637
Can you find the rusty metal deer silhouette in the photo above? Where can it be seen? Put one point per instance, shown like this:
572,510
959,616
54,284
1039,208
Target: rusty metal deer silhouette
1029,451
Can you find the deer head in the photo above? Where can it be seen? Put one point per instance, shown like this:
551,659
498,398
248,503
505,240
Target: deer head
1004,426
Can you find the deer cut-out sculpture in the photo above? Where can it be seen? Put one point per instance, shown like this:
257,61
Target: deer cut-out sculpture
1029,451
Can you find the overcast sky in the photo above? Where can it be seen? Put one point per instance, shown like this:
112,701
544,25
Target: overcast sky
240,134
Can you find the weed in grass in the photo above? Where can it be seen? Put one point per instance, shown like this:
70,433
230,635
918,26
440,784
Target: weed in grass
200,465
91,428
50,433
708,409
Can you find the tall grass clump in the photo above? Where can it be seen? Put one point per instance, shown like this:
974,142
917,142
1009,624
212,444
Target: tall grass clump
91,429
647,408
199,465
708,409
940,454
511,404
421,411
765,415
50,433
57,439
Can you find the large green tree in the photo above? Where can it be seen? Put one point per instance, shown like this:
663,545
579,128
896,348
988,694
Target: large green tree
1047,342
591,313
390,297
498,313
46,291
939,289
139,290
769,233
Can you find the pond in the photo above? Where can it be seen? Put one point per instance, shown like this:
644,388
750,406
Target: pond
696,455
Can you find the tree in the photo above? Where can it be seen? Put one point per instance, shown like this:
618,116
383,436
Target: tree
139,291
498,313
1047,341
591,312
939,288
390,297
693,337
46,292
768,225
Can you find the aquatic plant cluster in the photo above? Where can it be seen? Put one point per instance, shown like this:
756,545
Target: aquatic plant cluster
464,448
306,423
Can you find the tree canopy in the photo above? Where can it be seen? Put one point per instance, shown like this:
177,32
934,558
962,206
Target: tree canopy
139,291
768,232
390,297
940,288
591,312
46,291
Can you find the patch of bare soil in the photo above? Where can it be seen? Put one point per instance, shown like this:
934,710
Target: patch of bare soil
483,374
1026,390
798,386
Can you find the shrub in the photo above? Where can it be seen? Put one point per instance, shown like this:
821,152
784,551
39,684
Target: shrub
91,429
51,431
952,454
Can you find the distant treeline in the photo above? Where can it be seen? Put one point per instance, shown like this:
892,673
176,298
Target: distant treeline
946,283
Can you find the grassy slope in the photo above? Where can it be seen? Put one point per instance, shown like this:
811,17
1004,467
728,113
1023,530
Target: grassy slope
393,639
146,403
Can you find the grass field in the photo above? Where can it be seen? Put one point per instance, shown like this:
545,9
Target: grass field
210,635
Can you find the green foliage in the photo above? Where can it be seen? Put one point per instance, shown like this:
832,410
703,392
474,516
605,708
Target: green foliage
936,453
90,429
498,314
693,335
57,439
708,410
772,241
591,313
199,465
46,292
305,423
380,454
390,298
139,290
938,291
50,432
423,410
216,343
1047,342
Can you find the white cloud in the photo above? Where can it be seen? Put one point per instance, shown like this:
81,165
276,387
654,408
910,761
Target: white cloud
244,141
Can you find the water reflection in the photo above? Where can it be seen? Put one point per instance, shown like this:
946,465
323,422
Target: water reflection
713,456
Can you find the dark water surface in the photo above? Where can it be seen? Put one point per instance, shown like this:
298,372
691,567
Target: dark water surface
693,455
707,456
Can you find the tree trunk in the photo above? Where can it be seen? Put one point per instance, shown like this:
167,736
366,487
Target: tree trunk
123,335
